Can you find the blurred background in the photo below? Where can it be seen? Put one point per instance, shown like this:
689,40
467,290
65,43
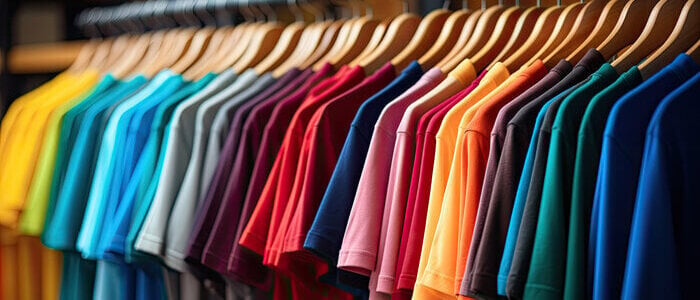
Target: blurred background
39,38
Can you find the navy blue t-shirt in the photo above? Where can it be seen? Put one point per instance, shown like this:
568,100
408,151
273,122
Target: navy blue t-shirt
662,258
618,170
326,233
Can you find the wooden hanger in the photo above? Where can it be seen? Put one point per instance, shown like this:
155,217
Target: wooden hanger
154,49
101,53
627,29
263,41
82,61
359,37
180,40
328,41
655,33
694,52
134,55
374,41
239,41
484,28
199,42
502,32
200,67
338,45
538,38
309,40
561,30
608,18
117,50
428,31
684,36
526,23
582,28
448,38
398,36
284,47
467,32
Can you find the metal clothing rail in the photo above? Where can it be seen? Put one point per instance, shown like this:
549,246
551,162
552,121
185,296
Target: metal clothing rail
142,16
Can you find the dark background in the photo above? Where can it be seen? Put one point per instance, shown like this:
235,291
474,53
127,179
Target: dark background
43,21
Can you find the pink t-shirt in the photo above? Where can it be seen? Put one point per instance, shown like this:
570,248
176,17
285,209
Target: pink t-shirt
359,248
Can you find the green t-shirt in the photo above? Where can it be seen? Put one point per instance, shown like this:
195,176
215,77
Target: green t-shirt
590,140
545,278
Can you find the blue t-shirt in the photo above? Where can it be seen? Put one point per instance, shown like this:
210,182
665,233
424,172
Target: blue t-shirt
62,225
662,258
326,232
99,205
616,186
116,235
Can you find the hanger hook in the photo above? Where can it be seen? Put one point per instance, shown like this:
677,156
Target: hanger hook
267,10
202,12
446,4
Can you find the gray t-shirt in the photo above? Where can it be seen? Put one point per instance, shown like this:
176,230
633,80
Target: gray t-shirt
176,155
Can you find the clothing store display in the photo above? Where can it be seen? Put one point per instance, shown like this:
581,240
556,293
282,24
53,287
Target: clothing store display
382,157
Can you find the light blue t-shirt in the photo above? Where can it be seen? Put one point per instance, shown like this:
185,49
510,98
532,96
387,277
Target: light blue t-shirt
99,205
116,235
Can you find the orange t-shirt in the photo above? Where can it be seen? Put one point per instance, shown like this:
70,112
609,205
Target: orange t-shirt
441,256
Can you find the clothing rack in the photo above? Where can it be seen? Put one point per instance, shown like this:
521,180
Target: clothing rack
489,151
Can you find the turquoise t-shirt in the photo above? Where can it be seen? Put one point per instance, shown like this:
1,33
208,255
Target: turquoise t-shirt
98,207
63,222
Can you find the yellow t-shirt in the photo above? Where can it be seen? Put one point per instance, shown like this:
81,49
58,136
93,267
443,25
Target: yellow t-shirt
19,104
24,141
439,252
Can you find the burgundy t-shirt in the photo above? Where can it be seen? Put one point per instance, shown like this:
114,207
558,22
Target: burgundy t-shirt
206,215
276,112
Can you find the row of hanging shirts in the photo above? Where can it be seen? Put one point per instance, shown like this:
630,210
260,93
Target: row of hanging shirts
354,157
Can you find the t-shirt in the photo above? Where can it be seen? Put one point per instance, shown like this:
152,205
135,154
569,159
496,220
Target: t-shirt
246,265
548,263
295,155
62,226
55,138
479,276
521,259
662,260
143,169
590,138
445,261
620,161
24,143
358,250
325,234
322,145
511,163
466,74
184,112
102,201
211,123
417,203
210,205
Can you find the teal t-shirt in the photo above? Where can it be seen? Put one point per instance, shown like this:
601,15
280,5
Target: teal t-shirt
63,222
545,278
588,147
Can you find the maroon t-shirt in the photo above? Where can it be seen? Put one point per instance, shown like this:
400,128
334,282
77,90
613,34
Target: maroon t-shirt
206,215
